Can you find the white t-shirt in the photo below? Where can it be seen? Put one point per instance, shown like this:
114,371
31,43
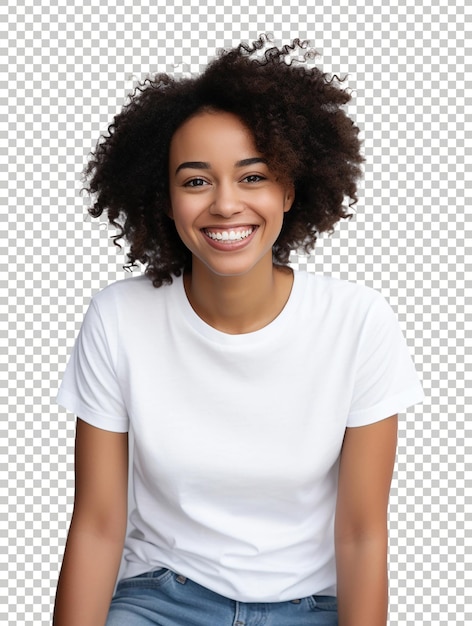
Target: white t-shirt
237,437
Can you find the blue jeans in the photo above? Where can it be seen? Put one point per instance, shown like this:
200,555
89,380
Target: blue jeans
163,598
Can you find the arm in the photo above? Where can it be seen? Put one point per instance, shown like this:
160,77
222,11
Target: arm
96,535
365,474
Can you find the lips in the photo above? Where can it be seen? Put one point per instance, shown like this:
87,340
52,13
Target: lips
229,235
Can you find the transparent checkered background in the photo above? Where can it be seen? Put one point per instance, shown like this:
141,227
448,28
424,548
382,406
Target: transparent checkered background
66,69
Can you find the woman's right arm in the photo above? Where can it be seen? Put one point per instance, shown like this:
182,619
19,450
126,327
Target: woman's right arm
95,542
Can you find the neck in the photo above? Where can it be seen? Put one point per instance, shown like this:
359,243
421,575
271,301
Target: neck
238,304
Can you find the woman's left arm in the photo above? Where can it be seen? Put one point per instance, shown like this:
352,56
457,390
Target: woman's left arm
365,474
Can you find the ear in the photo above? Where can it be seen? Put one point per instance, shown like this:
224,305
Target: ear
289,197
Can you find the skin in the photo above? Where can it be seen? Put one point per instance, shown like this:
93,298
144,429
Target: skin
236,289
220,182
96,535
365,474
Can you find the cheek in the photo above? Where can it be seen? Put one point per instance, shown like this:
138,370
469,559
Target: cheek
183,231
177,210
178,217
183,215
187,208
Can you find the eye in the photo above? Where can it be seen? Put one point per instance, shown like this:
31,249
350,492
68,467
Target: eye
195,182
253,178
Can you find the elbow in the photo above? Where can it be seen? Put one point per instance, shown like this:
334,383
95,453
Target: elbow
361,534
108,526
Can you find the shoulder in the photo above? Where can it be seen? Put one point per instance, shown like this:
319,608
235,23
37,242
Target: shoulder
342,295
131,303
134,293
337,286
344,310
134,287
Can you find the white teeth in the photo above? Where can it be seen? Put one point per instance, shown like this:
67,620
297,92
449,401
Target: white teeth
231,235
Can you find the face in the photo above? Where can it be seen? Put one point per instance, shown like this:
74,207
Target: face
227,205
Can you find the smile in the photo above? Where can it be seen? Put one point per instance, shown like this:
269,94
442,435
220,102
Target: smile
229,235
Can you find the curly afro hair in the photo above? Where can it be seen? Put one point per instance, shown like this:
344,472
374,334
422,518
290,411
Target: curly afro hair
295,115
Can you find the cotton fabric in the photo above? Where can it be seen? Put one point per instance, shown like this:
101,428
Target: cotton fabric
237,437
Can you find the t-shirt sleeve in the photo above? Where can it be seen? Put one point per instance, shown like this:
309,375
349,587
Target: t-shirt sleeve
386,381
90,387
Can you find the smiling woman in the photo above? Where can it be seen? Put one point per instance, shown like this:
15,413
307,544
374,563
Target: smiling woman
228,208
258,497
297,125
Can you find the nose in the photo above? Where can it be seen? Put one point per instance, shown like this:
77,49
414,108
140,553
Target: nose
226,201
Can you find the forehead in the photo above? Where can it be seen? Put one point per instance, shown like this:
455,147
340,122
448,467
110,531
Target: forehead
214,133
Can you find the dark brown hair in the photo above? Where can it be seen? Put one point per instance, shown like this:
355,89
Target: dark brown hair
295,114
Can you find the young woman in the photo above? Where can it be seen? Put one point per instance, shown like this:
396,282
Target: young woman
261,402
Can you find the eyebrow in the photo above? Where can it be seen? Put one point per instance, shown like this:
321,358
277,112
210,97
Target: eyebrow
203,165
